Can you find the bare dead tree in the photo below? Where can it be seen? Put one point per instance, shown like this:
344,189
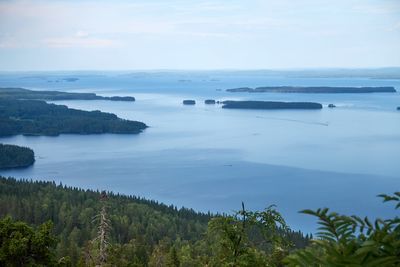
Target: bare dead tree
102,232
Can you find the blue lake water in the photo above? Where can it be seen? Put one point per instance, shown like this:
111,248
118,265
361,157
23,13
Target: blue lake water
208,158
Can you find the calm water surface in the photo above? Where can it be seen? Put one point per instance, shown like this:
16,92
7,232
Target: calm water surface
209,158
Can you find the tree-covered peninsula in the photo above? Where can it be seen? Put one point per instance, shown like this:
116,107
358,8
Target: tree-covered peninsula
21,93
34,117
314,89
270,105
12,156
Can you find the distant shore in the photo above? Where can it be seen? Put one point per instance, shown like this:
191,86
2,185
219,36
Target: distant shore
22,93
314,89
25,112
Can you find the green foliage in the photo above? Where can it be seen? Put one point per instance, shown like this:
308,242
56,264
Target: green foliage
134,253
21,245
173,259
34,117
352,241
250,238
146,233
134,221
12,156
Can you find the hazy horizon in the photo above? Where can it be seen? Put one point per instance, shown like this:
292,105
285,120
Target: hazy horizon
327,69
198,35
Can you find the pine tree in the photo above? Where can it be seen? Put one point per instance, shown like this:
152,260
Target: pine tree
173,259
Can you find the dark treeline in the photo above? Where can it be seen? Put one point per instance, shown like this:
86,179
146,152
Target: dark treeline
142,232
270,105
189,102
34,117
12,156
25,94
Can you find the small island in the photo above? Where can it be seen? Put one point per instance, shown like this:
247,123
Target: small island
331,106
270,105
21,93
71,79
36,117
209,102
12,156
398,108
313,89
189,102
119,98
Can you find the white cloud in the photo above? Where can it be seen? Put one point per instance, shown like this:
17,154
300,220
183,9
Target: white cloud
274,32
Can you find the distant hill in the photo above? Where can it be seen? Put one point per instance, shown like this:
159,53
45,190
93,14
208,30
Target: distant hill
314,89
364,73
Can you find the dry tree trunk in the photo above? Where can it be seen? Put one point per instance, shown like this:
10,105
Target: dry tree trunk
103,230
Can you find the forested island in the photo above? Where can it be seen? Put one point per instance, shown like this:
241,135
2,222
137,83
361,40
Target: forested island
21,93
12,156
35,117
209,101
45,224
314,89
189,102
270,105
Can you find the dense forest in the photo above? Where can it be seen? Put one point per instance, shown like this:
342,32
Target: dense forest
12,156
35,117
25,94
45,224
141,232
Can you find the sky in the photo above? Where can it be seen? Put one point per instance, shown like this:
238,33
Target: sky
188,34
